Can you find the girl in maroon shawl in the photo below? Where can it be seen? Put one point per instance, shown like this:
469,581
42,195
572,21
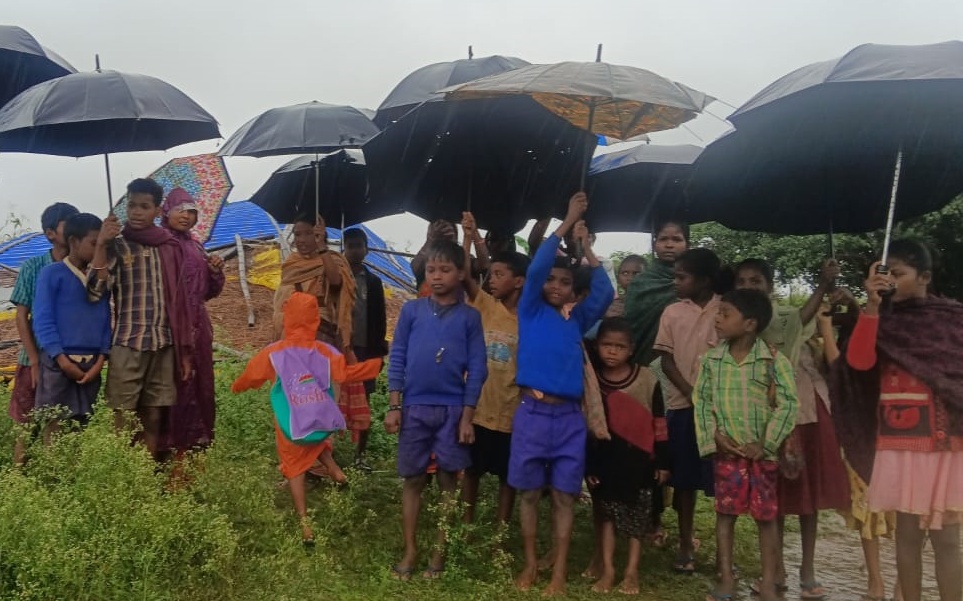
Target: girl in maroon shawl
202,278
900,417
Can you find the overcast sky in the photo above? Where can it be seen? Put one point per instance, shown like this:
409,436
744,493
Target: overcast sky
240,57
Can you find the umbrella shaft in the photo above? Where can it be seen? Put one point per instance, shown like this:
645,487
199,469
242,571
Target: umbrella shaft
892,206
110,193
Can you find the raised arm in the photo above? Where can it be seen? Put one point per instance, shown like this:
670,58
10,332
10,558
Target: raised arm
469,232
332,265
537,235
544,258
861,352
601,292
103,264
827,277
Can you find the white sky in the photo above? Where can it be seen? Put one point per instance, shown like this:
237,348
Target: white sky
240,57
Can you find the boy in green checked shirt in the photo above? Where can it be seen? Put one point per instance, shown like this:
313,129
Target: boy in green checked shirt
745,407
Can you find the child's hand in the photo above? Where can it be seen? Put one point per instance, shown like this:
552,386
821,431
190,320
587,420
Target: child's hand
577,205
187,369
876,285
441,230
215,263
592,481
824,318
94,371
466,430
109,230
726,445
843,296
662,476
321,233
393,421
753,451
829,272
69,368
581,234
468,225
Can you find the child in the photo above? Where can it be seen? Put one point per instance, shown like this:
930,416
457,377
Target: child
686,331
367,339
902,422
745,400
549,430
631,267
74,334
141,266
436,370
500,395
301,322
23,397
623,472
821,482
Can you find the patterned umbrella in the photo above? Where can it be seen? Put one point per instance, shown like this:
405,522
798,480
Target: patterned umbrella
205,177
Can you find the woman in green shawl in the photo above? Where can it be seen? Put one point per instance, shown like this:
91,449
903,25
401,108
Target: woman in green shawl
652,291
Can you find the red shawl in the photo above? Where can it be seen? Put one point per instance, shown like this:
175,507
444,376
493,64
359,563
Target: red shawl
175,298
923,336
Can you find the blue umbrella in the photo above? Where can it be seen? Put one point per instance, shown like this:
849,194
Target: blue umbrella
84,114
25,63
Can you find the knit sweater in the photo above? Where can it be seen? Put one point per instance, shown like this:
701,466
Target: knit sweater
64,322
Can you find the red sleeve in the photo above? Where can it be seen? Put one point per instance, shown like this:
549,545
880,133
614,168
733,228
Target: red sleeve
861,352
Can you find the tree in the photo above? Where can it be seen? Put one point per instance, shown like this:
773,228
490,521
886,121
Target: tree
797,258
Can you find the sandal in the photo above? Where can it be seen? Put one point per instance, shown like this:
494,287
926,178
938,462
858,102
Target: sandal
684,565
756,587
811,591
401,574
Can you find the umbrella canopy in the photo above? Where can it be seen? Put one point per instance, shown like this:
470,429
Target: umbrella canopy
343,189
611,100
629,190
102,112
423,84
25,63
507,160
205,178
815,151
313,127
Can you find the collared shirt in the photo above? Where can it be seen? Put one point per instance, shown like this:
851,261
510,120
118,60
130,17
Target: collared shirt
733,398
500,395
787,332
25,289
686,331
136,281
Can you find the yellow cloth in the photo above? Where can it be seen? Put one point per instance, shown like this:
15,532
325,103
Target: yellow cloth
869,524
500,395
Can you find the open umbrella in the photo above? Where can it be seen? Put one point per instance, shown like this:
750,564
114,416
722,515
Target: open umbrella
102,112
290,191
310,127
818,149
631,189
507,160
204,177
423,84
25,63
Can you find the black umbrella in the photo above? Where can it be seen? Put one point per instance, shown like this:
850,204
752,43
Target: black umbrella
507,160
102,112
290,191
423,84
816,151
632,189
25,63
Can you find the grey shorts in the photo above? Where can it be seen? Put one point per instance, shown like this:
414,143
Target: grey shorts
137,379
54,389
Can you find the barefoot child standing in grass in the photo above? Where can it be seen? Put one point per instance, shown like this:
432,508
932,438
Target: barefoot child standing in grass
435,375
745,407
549,430
299,359
500,395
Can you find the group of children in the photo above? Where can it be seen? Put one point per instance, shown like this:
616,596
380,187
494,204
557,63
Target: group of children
158,340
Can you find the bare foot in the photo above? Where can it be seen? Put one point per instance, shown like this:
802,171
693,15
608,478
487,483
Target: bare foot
526,578
594,569
606,583
307,534
630,585
554,589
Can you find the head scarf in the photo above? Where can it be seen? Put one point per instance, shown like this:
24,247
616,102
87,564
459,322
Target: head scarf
176,201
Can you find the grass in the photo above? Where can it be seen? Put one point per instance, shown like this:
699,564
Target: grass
89,518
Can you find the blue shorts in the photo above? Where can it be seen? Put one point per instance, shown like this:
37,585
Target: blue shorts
427,429
689,470
548,447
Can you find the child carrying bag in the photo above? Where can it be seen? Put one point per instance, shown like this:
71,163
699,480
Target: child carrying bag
302,396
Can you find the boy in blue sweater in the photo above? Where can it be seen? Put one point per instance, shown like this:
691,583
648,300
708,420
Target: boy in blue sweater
73,333
549,431
437,366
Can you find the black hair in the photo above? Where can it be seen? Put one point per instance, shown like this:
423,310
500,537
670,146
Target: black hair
448,252
565,262
81,224
495,237
614,325
55,213
581,279
661,225
760,265
309,218
355,234
705,264
752,304
517,262
633,259
145,185
913,253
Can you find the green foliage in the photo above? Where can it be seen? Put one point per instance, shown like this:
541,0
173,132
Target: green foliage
798,258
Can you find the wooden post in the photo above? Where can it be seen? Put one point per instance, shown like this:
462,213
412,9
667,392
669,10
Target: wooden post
242,275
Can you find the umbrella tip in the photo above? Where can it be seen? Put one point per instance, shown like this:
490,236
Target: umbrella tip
598,54
471,53
97,62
